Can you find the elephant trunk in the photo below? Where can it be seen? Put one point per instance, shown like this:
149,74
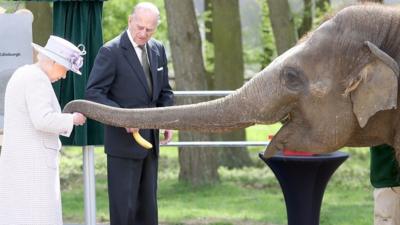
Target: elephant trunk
213,116
243,108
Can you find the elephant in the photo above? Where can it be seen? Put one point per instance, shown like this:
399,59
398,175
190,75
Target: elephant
337,87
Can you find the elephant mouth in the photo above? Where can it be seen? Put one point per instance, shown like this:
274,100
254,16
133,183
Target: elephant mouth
286,116
285,119
278,145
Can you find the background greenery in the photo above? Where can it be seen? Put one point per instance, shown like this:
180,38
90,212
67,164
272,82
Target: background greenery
250,195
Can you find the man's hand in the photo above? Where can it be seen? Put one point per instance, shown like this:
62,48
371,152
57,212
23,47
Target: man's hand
167,136
131,130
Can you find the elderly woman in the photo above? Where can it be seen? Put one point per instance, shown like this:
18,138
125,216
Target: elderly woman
29,173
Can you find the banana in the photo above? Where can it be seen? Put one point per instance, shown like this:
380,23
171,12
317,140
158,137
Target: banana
141,141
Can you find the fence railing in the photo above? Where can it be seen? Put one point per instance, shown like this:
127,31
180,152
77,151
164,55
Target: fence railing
216,143
88,156
202,93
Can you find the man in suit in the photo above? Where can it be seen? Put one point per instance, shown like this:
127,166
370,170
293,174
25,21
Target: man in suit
131,71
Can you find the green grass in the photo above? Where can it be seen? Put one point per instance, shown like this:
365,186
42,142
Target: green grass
248,196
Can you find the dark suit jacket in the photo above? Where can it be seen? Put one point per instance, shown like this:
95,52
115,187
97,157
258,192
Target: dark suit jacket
117,79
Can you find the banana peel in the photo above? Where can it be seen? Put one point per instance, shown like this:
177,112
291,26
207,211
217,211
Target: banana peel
141,141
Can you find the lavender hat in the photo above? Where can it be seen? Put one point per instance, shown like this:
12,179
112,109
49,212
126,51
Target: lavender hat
63,52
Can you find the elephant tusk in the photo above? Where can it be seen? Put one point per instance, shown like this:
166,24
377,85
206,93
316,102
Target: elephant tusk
141,141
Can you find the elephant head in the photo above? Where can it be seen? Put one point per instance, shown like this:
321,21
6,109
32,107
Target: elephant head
337,87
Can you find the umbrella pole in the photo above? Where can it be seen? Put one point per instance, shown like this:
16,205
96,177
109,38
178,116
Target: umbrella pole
90,185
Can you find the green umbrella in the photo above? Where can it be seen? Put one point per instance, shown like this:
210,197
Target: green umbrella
80,23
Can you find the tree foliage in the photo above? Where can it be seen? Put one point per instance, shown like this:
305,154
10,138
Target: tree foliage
11,6
115,18
307,18
267,38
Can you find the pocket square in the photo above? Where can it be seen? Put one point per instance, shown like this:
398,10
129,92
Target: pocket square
160,69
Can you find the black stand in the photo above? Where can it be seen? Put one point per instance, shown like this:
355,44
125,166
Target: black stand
303,180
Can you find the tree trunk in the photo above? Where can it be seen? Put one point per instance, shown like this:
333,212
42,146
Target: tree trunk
308,17
282,22
43,21
209,46
322,5
229,69
267,39
198,166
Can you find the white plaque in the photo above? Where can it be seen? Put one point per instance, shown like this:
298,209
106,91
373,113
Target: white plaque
15,49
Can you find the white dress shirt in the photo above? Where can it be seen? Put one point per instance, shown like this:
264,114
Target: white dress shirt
138,50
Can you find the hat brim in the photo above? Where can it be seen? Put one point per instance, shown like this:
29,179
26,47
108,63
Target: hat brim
60,60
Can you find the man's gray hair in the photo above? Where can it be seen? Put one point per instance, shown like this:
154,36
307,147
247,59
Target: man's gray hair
147,6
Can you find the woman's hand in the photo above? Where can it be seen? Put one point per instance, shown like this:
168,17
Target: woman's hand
79,119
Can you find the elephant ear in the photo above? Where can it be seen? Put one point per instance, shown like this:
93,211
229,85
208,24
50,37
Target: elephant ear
375,86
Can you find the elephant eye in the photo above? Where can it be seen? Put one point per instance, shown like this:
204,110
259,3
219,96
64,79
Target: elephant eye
293,79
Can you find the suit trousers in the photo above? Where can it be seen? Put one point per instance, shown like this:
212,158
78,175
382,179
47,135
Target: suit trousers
132,190
387,206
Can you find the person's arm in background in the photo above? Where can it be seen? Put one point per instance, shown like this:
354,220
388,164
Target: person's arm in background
385,178
101,78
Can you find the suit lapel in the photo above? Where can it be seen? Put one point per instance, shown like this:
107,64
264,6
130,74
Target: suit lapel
153,66
133,60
